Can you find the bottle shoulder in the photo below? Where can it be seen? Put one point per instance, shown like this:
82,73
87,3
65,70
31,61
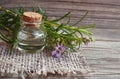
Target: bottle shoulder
30,34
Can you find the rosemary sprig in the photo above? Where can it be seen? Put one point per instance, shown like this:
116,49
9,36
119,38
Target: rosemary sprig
68,35
56,20
80,19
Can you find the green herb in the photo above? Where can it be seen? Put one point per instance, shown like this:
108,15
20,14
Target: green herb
70,36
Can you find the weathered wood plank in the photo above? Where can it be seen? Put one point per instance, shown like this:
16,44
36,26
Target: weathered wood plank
80,13
105,62
105,2
106,34
104,16
104,45
67,5
101,19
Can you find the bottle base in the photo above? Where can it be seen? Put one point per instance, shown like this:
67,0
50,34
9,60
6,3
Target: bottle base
30,49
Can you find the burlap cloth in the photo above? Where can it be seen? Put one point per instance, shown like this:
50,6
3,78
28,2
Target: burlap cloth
40,63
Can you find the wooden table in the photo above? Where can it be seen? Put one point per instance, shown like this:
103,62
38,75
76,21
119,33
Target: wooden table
102,55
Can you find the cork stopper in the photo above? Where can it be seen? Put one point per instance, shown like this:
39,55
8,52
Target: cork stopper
32,19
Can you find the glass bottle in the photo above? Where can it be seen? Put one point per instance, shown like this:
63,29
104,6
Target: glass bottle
30,36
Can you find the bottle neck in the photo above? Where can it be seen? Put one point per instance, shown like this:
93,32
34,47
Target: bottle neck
33,25
30,27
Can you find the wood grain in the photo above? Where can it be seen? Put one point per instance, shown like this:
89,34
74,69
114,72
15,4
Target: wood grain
104,13
105,61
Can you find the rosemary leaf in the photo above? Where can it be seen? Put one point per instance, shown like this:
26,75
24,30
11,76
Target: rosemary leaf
68,20
6,28
80,19
56,20
4,38
84,31
88,26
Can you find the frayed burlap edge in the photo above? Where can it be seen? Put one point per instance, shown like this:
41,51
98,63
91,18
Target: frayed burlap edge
40,63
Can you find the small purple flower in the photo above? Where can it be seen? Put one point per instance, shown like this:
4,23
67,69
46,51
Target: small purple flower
60,47
58,55
54,53
63,49
58,51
